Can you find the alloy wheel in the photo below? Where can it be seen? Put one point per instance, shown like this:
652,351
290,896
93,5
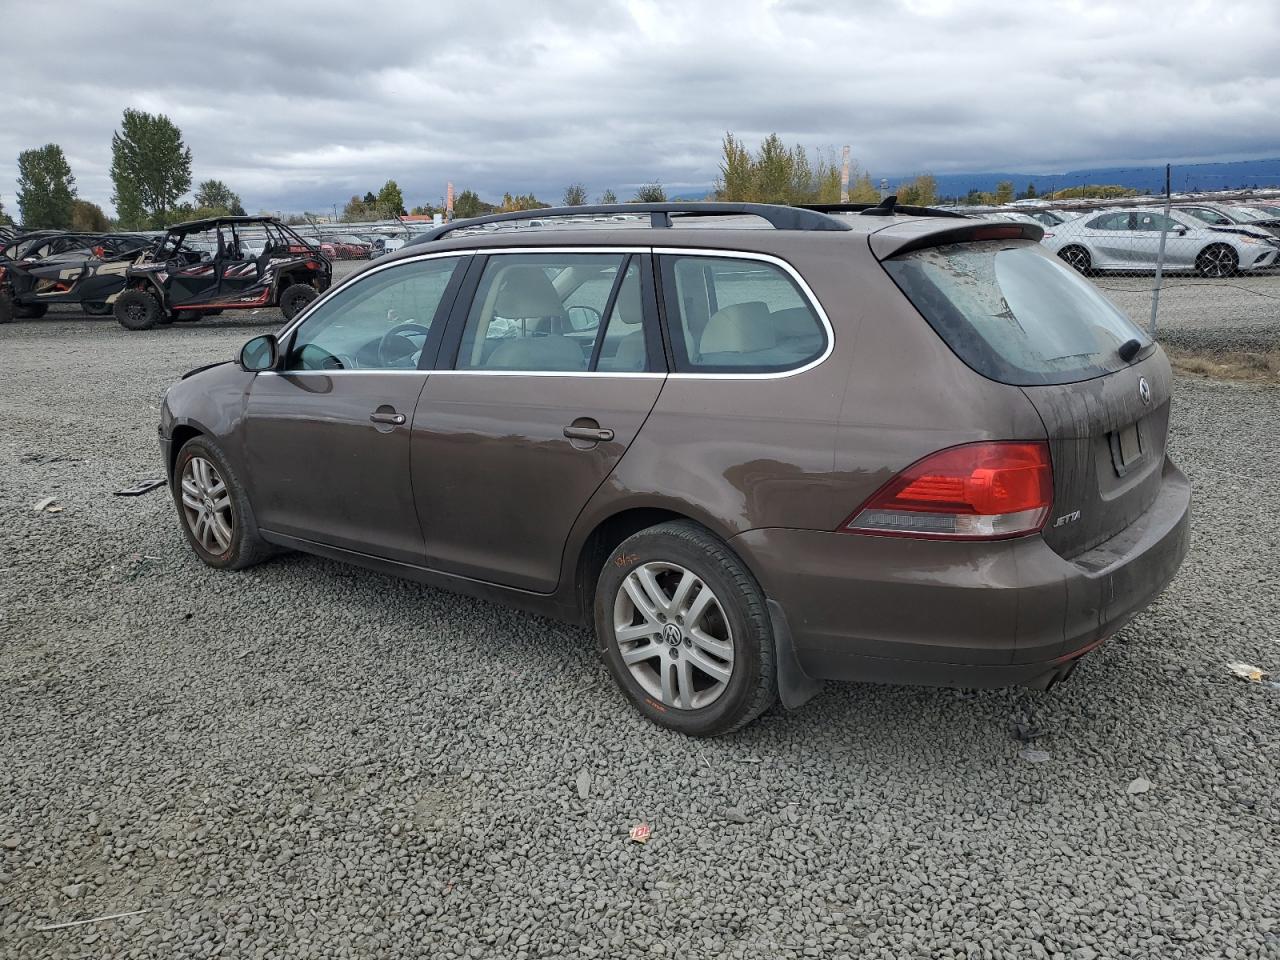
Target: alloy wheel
1077,258
206,505
673,635
1218,261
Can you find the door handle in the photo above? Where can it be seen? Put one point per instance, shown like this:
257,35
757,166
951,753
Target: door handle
593,434
393,418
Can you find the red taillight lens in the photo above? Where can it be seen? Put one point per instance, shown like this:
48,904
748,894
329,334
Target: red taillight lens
979,491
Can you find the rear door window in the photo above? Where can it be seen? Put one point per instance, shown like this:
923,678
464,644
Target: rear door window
738,315
555,313
1015,313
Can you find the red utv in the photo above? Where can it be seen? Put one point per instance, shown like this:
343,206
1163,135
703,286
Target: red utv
205,267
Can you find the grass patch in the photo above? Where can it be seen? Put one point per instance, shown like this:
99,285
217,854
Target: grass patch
1254,367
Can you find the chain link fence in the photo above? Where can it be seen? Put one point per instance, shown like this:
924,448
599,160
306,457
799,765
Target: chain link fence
1200,271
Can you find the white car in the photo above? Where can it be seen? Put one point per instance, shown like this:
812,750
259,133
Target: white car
1129,239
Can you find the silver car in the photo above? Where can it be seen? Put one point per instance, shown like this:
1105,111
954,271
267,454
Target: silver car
1129,239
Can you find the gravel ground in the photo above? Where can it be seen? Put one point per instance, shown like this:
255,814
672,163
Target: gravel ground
308,760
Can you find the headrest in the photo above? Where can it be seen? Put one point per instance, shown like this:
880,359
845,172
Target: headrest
526,292
627,306
741,328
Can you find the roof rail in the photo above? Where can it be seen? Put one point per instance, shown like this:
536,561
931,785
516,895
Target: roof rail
779,216
882,209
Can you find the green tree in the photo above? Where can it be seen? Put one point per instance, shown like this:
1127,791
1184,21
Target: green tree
390,200
1031,192
862,190
216,195
357,210
575,195
523,201
468,204
737,171
608,197
46,188
150,167
920,191
650,193
88,217
5,219
423,210
1093,191
370,199
1004,192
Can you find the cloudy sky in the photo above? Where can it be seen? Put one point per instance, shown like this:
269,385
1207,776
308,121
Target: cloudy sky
298,106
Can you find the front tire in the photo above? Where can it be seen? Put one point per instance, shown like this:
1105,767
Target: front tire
213,509
1218,261
1077,258
137,310
295,298
683,627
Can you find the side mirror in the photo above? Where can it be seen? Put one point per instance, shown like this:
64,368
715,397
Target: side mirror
260,353
1181,231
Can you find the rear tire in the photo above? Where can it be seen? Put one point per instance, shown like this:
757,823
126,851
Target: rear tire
96,309
1217,261
137,310
30,311
683,627
295,298
1077,258
213,510
6,308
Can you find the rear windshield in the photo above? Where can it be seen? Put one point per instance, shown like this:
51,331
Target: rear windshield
1014,312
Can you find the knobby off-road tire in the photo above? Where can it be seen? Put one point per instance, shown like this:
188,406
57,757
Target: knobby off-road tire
213,509
137,310
295,298
702,665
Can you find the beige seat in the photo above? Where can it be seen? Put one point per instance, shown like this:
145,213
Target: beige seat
630,355
743,328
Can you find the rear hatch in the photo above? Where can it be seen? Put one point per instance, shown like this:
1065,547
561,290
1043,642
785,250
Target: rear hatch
1018,315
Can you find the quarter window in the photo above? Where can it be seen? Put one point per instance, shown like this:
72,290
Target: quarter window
733,315
381,322
556,312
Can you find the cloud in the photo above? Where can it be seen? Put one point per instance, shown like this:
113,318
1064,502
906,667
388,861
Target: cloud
302,107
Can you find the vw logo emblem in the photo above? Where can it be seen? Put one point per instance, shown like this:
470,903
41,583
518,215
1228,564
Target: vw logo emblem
672,634
1144,390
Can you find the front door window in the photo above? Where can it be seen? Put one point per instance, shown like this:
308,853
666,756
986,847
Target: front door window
382,322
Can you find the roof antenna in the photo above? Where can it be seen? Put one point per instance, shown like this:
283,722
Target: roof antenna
883,209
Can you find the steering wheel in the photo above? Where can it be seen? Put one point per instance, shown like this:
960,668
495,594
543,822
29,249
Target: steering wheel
398,332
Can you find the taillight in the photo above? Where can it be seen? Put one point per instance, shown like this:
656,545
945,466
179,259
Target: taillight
978,491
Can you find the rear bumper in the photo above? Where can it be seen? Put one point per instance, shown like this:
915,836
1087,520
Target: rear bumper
993,614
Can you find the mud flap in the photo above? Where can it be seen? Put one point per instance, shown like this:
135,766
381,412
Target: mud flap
795,687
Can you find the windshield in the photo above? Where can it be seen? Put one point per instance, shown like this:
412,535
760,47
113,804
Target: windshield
1015,313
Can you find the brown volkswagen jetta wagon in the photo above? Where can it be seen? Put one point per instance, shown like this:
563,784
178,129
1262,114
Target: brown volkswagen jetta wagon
755,447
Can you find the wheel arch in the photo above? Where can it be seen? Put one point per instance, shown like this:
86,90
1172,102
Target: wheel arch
182,433
611,530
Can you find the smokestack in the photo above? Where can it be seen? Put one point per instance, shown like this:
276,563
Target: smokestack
844,175
448,202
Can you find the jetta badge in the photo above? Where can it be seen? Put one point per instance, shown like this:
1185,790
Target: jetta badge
1144,390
